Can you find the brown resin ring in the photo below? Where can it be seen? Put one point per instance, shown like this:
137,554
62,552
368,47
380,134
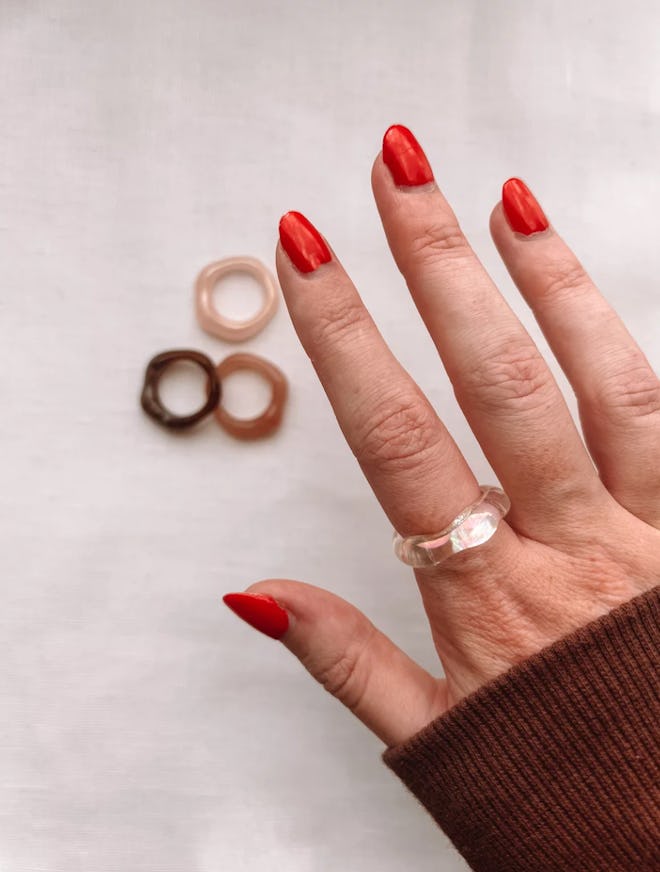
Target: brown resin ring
225,328
268,421
151,401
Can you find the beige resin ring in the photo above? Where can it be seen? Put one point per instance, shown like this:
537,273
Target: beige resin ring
268,421
225,328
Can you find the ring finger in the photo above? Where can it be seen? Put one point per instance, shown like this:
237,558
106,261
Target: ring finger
398,439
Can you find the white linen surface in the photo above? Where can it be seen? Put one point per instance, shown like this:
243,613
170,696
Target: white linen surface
144,728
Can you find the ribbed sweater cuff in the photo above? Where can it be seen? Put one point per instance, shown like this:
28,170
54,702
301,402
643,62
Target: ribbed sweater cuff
555,764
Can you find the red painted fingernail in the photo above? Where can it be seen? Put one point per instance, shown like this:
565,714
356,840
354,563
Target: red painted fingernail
302,242
260,611
521,208
405,158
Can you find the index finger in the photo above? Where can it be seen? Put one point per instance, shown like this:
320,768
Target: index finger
413,465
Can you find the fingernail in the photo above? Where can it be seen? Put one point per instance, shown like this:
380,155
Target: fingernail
405,158
302,242
259,611
521,208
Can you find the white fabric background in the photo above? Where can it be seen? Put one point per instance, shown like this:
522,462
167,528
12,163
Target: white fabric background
143,727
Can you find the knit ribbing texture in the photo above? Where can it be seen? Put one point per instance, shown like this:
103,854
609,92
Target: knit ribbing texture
554,765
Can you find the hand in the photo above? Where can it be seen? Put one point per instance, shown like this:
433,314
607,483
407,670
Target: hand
580,539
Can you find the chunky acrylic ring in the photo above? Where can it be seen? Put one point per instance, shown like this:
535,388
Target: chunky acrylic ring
225,328
268,421
150,398
474,526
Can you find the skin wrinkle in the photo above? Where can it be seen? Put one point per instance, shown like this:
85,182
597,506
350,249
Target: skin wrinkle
563,280
402,435
427,243
345,677
629,393
515,381
335,324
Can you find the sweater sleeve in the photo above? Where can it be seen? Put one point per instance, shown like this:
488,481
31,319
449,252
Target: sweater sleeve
555,764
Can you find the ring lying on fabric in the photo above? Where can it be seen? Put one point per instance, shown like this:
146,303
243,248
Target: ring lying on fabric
150,398
269,420
240,428
474,526
225,328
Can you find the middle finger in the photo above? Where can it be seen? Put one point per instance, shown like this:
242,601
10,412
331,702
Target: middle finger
502,383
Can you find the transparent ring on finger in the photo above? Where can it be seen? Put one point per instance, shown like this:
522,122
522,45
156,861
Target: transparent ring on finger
472,527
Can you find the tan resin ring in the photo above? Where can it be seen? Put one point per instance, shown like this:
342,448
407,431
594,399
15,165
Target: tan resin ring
268,421
225,328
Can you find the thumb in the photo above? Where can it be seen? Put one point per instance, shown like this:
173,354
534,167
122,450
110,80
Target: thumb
343,650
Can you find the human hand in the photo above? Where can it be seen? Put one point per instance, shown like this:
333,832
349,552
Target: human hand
580,539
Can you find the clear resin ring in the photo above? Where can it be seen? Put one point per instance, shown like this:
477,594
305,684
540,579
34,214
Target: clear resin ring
474,526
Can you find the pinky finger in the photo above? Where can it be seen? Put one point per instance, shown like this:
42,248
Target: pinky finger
390,693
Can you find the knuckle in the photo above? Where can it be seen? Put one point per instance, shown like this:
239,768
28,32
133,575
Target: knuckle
633,391
335,322
440,240
564,279
399,436
515,375
346,675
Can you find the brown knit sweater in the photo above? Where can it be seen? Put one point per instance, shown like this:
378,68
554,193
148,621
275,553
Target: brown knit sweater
554,765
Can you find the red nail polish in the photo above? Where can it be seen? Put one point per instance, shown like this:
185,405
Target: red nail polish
405,158
260,611
302,242
521,208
